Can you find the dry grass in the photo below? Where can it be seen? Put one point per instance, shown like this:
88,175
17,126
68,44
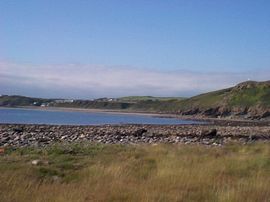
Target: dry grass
137,173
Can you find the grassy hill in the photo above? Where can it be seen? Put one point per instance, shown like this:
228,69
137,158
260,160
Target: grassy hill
248,99
245,94
147,98
250,94
16,100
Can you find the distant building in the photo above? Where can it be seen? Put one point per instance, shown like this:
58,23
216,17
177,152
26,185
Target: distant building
105,99
45,104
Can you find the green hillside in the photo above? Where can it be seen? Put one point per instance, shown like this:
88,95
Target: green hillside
249,99
250,94
147,98
16,100
212,99
246,94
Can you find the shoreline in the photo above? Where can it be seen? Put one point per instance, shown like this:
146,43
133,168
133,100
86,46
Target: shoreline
91,110
211,132
25,135
208,120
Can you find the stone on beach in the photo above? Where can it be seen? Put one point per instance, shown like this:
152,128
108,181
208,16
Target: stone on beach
209,134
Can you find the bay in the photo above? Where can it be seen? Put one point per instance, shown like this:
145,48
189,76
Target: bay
36,116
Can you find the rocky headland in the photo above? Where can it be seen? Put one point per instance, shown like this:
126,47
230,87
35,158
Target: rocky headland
247,101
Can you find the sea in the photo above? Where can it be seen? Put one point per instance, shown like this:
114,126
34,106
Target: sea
57,117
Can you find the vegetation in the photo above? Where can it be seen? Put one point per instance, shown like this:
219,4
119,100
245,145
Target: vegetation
95,104
136,173
16,100
247,94
147,98
257,94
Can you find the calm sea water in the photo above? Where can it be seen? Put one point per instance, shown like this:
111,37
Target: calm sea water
33,116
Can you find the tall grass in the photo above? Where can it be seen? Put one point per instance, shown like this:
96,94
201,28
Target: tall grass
136,173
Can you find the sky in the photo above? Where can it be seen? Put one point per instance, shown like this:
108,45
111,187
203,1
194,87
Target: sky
88,49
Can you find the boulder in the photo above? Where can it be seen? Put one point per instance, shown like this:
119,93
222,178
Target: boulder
191,112
18,129
208,133
265,114
139,132
212,112
36,162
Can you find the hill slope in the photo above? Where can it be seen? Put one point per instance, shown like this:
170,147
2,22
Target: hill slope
249,99
246,100
147,98
17,100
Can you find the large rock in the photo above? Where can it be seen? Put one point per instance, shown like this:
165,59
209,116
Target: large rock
265,114
258,112
208,133
223,111
191,112
139,132
212,112
18,129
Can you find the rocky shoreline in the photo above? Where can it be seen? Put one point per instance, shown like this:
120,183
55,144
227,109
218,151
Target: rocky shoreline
213,133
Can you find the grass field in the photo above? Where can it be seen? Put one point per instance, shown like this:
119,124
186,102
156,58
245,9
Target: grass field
136,173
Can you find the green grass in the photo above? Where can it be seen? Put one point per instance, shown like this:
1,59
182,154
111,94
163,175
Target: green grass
207,100
147,98
16,100
84,172
251,96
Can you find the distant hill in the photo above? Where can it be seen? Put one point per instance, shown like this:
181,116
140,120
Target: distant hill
17,100
147,98
249,99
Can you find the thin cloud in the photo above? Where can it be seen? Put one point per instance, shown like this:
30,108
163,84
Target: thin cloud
89,81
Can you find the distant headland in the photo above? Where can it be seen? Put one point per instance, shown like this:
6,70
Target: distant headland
247,100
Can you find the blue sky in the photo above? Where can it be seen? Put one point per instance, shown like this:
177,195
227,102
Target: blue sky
156,38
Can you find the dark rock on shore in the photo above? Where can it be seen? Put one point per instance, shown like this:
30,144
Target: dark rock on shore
18,129
140,132
208,133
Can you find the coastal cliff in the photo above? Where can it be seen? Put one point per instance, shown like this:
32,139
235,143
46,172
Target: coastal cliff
247,100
